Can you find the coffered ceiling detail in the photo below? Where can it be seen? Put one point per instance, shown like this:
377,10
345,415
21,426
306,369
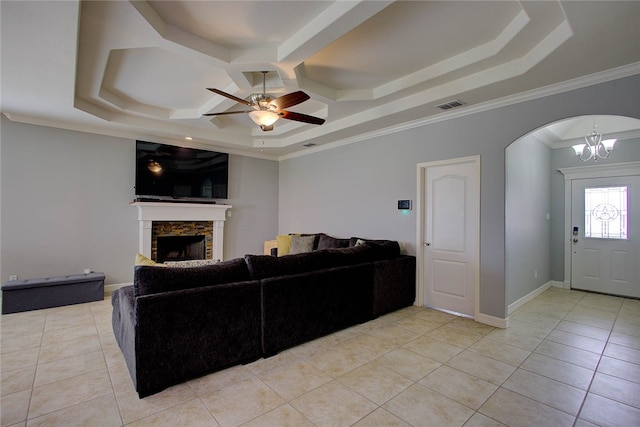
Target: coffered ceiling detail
141,68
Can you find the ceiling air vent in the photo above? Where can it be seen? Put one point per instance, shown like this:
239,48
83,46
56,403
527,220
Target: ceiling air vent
451,104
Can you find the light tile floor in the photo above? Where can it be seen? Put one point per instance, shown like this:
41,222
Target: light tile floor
568,359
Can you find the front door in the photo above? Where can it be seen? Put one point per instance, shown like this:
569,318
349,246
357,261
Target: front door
451,235
605,235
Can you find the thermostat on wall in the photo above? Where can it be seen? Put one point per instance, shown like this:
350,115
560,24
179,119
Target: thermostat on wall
404,204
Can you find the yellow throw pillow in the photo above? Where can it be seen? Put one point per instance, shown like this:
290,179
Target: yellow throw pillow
143,260
284,244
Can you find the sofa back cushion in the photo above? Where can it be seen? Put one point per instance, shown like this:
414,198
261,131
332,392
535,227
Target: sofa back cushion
264,266
152,280
328,242
365,252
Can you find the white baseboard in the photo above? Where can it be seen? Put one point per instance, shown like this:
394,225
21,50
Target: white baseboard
108,289
525,299
492,321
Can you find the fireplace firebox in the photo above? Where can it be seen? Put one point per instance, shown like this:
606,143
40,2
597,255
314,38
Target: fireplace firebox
181,248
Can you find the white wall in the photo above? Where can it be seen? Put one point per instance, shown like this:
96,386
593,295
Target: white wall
65,203
353,190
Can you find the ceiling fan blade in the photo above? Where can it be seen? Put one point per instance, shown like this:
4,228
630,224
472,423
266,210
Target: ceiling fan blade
228,95
289,100
299,117
228,112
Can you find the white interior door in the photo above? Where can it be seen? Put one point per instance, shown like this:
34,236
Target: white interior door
451,235
605,242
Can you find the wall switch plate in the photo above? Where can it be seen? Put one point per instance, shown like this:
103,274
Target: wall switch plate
404,204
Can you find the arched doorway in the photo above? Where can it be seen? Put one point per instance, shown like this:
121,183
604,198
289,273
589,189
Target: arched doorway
535,198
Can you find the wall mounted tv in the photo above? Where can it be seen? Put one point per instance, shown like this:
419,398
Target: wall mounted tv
167,172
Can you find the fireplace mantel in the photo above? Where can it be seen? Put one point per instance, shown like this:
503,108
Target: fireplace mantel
160,211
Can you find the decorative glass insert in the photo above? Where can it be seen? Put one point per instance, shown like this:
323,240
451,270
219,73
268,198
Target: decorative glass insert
605,212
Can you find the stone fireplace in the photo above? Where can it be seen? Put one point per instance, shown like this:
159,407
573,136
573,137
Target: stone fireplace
179,236
203,223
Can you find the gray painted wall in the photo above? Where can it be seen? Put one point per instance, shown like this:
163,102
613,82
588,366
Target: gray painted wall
65,203
346,191
527,204
353,190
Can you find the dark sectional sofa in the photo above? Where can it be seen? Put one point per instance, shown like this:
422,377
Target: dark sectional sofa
174,324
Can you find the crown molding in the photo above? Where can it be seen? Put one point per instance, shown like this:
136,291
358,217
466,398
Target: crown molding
566,86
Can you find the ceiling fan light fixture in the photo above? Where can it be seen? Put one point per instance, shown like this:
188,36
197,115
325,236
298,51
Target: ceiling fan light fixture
264,118
154,166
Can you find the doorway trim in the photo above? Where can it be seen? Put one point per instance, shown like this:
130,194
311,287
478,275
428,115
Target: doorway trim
420,227
584,172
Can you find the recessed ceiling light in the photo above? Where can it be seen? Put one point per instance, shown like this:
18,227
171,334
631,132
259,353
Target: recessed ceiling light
188,138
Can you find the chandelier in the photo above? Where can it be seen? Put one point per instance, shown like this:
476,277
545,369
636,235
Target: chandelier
595,148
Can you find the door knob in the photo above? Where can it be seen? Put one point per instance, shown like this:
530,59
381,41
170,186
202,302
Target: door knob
575,240
427,244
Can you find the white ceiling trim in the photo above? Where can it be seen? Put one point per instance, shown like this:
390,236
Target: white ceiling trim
496,74
578,83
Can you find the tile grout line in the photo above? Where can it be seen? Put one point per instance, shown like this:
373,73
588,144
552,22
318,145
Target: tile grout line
501,386
595,371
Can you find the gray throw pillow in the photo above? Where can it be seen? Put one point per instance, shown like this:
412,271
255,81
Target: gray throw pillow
301,244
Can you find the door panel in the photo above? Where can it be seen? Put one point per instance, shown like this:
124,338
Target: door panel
605,255
450,278
451,211
448,206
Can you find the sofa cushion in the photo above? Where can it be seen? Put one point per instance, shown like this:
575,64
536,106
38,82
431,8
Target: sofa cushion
143,260
263,266
283,243
301,244
191,263
365,252
151,280
328,242
386,248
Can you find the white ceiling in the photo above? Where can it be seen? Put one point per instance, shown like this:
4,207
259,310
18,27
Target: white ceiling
140,69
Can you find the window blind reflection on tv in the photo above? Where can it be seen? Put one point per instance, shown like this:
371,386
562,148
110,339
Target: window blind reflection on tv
170,172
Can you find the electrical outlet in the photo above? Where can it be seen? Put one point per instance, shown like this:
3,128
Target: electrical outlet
13,277
535,274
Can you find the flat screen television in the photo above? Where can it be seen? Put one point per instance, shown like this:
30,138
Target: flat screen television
167,172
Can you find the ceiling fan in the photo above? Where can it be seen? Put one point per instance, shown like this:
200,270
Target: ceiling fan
267,109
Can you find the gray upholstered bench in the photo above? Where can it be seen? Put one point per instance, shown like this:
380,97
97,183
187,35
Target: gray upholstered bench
33,294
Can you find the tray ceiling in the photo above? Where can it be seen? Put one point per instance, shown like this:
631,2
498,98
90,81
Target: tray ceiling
140,69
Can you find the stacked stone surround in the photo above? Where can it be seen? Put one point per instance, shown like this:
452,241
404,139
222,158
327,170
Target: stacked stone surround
182,228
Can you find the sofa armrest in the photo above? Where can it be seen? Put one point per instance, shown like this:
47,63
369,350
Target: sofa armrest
123,323
187,333
394,284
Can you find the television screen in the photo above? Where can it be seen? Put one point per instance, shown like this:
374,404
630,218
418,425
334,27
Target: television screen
170,172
